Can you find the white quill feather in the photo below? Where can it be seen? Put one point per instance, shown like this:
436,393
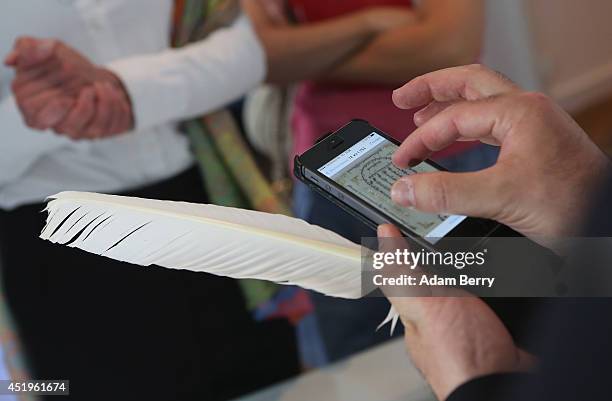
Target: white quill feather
224,241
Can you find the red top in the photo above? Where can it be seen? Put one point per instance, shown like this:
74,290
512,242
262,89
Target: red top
319,10
323,108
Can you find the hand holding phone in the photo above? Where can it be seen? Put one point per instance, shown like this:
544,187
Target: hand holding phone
352,167
548,169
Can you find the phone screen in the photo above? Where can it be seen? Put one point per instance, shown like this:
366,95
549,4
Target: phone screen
366,171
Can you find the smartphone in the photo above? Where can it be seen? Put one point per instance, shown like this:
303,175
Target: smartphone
352,167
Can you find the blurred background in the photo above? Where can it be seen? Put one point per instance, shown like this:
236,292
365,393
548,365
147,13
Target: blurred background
560,47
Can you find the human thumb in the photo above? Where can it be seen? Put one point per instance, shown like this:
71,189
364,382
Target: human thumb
469,194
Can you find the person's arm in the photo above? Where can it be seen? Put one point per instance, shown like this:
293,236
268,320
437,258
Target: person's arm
448,33
181,83
297,52
58,88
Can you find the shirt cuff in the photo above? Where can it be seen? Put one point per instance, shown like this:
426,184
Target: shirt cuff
155,90
498,386
176,84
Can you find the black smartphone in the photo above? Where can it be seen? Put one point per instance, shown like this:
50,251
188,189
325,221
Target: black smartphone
352,167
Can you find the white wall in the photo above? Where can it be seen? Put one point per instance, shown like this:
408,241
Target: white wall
508,43
574,43
563,47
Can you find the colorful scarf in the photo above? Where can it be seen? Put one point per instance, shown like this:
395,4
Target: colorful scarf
231,175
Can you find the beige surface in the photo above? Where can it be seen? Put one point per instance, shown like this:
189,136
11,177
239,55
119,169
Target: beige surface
597,122
384,373
573,50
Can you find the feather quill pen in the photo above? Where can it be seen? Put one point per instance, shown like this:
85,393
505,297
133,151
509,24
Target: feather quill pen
219,240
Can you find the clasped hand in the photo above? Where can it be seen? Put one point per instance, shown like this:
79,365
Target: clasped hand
56,88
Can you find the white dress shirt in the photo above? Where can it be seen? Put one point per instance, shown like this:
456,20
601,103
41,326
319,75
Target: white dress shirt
130,37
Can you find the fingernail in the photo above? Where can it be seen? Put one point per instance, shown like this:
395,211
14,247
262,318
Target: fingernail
418,118
402,192
399,164
385,231
396,162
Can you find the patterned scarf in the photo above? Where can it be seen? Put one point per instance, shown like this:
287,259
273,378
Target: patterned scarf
231,175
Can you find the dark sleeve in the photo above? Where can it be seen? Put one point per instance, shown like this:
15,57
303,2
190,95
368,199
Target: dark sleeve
486,387
600,223
573,337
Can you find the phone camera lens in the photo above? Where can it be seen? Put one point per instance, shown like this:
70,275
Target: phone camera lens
335,142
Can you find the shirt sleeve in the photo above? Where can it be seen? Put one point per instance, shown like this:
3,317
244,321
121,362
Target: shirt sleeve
495,387
182,83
